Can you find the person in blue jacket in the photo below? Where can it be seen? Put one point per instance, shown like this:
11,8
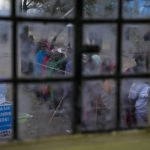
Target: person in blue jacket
39,59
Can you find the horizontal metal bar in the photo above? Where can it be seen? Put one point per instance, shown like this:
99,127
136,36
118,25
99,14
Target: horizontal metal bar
115,76
114,129
91,49
70,79
123,21
34,19
34,80
72,20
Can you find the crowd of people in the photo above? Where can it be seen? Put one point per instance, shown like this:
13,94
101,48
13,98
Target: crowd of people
99,97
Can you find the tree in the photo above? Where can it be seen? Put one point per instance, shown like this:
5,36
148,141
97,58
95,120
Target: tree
50,7
60,7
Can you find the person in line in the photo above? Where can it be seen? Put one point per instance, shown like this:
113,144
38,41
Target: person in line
139,96
39,57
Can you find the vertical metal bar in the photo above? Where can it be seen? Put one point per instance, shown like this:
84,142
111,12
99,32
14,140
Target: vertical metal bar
14,68
119,61
77,66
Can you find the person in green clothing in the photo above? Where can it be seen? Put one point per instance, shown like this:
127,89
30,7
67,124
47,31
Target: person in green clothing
55,65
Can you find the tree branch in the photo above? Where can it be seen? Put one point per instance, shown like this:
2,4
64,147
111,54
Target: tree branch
29,2
25,5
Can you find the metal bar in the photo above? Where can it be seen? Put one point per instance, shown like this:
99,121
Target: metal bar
77,66
77,79
70,79
72,20
111,130
115,77
118,56
34,80
14,70
34,19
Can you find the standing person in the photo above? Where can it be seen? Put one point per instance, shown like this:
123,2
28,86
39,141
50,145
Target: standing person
55,64
128,114
39,59
139,95
26,51
140,66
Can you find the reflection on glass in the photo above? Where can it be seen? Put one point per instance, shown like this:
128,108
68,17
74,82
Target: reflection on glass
134,103
46,8
5,50
45,50
45,109
102,62
135,49
98,105
96,9
5,7
136,8
6,109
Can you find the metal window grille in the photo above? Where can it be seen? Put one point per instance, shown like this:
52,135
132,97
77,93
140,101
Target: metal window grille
77,79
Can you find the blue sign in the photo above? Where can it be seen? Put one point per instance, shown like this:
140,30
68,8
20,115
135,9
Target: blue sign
5,117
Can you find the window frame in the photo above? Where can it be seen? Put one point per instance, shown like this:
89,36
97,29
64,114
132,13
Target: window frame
78,21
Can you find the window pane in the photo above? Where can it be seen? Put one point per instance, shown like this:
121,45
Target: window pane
5,7
5,49
98,105
136,8
6,114
45,109
103,61
134,103
46,8
45,50
96,9
135,56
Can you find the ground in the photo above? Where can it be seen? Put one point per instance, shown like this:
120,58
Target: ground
40,124
128,140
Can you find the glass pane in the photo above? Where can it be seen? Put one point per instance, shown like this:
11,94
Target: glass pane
45,50
135,55
103,61
98,105
6,114
5,50
46,8
5,7
134,103
45,110
136,8
96,9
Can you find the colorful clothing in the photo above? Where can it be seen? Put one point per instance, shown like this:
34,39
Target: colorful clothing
39,61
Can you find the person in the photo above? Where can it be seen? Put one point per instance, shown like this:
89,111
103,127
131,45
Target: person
55,64
27,48
139,95
91,64
128,118
107,67
140,66
127,112
98,106
39,59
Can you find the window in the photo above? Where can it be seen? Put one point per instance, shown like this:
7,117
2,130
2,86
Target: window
100,40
